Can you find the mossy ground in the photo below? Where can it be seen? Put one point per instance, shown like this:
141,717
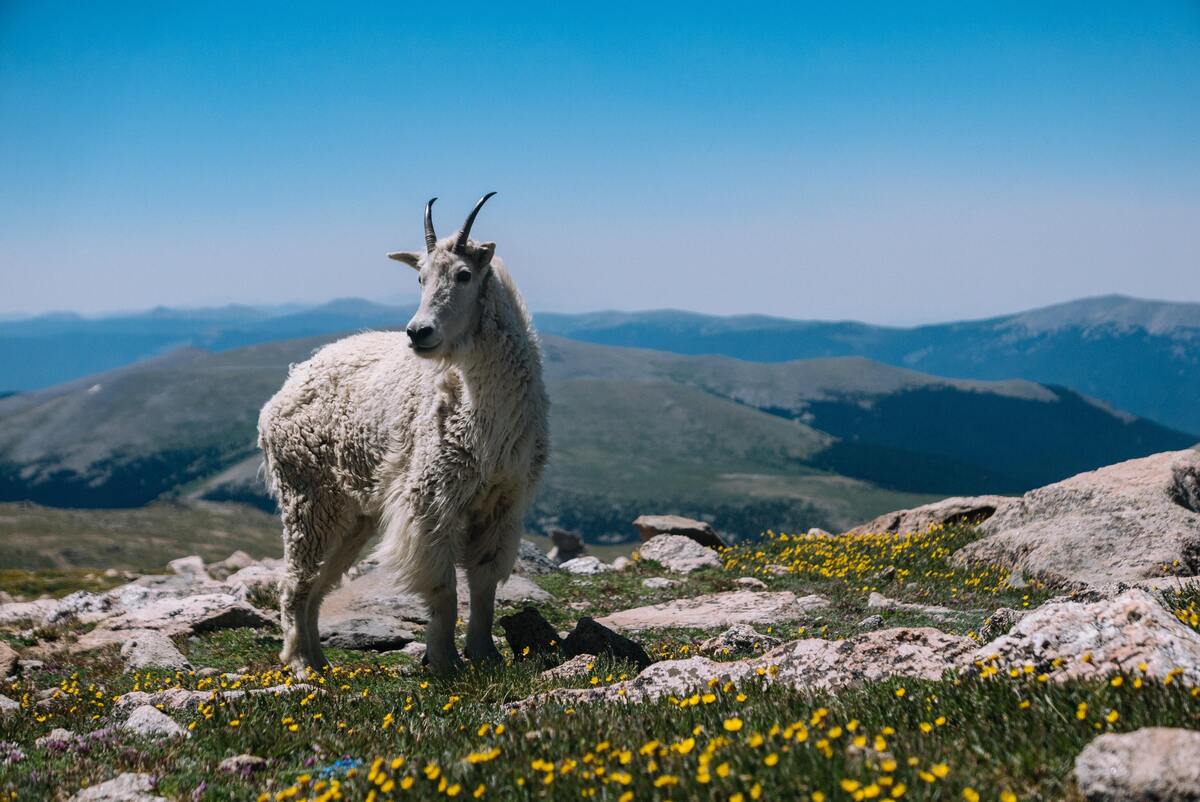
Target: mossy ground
380,727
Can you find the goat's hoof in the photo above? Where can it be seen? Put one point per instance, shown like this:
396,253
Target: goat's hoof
488,656
306,667
443,668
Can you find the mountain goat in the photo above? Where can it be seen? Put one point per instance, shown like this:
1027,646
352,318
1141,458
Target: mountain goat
435,437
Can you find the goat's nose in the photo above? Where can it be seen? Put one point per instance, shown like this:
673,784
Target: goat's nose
418,333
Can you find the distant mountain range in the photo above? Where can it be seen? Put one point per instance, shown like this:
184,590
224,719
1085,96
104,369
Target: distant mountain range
750,445
1136,355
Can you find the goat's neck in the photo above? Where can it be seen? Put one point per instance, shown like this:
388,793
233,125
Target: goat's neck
502,377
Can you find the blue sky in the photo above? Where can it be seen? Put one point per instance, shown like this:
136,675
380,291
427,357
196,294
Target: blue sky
881,161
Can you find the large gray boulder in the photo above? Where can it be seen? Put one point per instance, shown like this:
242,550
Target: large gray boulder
1154,764
1077,640
717,610
947,512
678,553
1130,521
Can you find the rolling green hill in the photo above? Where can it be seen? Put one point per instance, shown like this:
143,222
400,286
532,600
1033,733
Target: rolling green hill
750,445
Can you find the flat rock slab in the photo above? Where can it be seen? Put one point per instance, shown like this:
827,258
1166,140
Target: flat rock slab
367,634
813,663
191,614
1116,635
718,610
126,787
1154,764
678,553
1129,521
877,601
947,512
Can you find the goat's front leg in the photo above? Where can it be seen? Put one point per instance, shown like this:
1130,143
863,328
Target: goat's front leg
441,655
480,647
493,549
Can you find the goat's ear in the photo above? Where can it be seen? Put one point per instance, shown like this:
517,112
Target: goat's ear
408,257
484,252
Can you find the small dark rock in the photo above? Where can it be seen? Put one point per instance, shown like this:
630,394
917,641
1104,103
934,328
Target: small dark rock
531,637
590,637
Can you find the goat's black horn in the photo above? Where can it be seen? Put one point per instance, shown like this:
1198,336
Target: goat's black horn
465,231
430,236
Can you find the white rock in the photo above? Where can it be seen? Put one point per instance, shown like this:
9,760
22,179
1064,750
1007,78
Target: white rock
1115,635
621,563
717,610
58,735
34,612
190,568
126,787
147,648
254,577
1122,523
658,583
231,564
585,566
1154,764
149,721
8,705
190,614
242,764
678,553
751,582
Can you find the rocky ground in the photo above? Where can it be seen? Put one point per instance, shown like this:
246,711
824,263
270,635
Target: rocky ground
1046,647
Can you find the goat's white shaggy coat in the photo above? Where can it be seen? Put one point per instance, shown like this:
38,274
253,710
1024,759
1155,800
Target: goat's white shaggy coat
439,452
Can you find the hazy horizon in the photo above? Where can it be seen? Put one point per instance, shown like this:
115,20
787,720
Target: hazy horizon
290,307
895,165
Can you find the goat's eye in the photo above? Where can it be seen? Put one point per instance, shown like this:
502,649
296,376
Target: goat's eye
463,276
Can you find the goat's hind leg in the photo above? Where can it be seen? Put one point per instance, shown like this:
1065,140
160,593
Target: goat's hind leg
303,568
338,558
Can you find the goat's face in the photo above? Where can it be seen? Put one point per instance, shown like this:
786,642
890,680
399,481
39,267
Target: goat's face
452,274
451,289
